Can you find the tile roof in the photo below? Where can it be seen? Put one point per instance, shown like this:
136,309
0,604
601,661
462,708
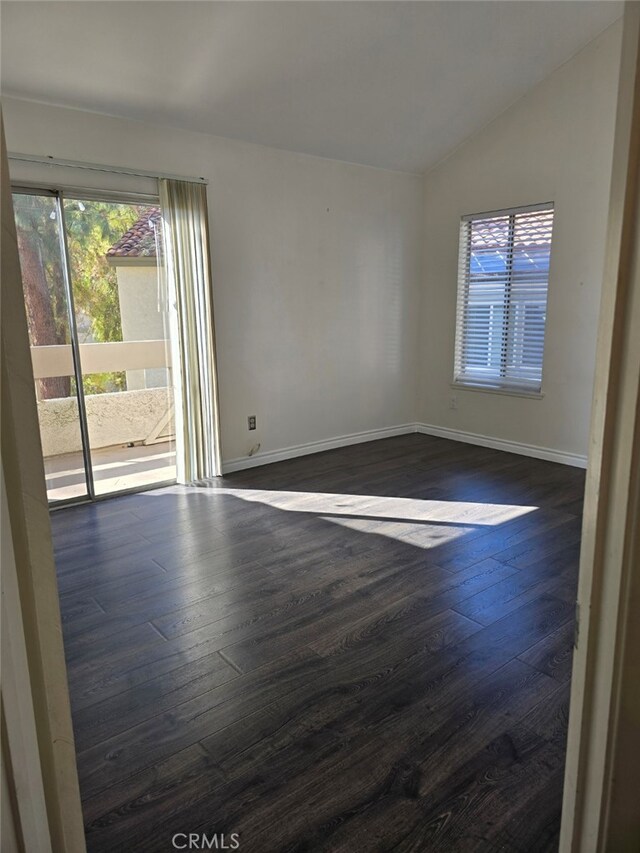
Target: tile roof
139,241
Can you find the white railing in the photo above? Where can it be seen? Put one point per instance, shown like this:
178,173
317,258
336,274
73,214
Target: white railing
99,358
143,415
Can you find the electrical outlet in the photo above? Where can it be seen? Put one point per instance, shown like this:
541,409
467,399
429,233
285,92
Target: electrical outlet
252,421
453,402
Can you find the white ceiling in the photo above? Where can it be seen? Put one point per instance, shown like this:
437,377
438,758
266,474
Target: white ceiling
391,84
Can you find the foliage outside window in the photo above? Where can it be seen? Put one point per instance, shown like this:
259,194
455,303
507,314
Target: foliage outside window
91,228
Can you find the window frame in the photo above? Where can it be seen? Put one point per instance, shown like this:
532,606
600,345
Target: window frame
497,376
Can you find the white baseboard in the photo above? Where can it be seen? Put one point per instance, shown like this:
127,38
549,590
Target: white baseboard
551,455
242,462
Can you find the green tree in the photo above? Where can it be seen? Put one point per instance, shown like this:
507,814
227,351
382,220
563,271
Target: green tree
43,281
92,227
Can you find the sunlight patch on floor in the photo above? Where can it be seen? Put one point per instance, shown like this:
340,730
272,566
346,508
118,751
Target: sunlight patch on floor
421,523
419,535
392,509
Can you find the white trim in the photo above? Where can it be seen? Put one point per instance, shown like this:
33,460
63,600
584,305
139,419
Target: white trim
548,453
507,211
488,389
50,160
242,462
75,193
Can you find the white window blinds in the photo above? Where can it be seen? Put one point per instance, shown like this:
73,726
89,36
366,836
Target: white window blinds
503,277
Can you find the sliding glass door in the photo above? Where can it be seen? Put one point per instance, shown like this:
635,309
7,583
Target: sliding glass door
98,330
114,252
49,317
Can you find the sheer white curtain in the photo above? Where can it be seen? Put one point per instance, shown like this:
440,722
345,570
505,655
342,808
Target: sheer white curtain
186,248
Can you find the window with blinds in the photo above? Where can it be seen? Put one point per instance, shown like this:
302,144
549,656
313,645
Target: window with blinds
503,277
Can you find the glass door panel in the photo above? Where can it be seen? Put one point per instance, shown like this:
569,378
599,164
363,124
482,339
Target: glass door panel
39,235
99,336
122,325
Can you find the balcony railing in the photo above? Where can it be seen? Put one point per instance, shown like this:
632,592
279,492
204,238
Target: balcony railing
140,416
99,358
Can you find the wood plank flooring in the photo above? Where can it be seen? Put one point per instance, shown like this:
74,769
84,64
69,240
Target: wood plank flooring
367,649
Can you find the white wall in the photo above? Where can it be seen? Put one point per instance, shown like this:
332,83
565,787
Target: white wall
316,268
555,144
142,318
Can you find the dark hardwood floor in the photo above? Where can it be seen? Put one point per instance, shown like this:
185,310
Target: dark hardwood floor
367,649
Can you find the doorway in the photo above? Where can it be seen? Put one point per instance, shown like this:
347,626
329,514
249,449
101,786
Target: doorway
97,314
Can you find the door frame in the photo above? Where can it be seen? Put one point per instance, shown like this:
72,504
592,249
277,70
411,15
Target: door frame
602,772
29,526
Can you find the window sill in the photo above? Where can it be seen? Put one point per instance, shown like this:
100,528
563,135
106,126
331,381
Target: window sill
507,392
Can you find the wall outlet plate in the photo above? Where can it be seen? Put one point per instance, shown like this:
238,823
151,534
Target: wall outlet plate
251,421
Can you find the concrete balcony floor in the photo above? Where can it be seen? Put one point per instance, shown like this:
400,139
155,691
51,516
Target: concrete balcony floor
115,469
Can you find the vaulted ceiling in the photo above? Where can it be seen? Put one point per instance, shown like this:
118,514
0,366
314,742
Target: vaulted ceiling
390,84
